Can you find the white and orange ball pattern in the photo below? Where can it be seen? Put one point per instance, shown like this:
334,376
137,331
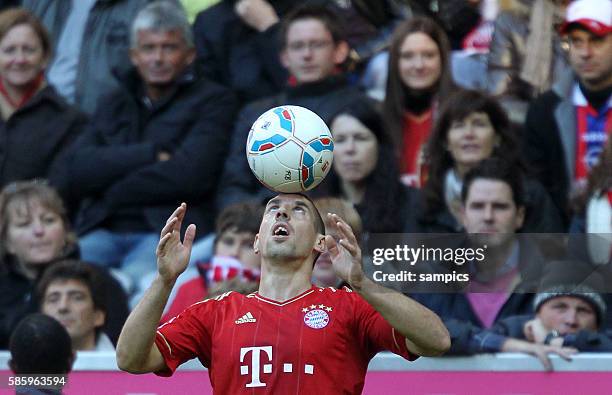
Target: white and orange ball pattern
290,149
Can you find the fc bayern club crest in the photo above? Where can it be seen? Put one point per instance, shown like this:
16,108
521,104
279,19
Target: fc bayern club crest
316,316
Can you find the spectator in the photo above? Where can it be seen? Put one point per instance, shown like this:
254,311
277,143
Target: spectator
419,79
234,259
34,234
40,345
569,314
526,56
365,172
567,127
502,284
457,17
323,274
36,124
237,43
591,226
71,293
91,39
159,139
593,210
313,51
471,128
369,25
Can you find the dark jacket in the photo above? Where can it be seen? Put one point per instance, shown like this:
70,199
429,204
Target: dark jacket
18,299
326,98
541,214
491,340
114,167
36,135
237,55
550,141
459,317
105,46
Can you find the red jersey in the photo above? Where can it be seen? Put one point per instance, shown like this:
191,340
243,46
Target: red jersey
416,132
319,342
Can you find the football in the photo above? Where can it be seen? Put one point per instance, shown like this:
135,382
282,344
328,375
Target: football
290,149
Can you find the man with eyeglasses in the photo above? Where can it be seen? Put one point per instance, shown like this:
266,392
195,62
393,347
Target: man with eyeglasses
313,51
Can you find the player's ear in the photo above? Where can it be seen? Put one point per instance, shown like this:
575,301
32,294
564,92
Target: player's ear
320,244
256,244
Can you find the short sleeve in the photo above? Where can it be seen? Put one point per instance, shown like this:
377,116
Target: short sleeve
375,333
186,336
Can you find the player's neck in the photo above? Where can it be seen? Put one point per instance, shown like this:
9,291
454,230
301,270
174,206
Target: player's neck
281,285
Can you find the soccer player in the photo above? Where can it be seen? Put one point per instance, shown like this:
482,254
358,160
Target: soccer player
289,337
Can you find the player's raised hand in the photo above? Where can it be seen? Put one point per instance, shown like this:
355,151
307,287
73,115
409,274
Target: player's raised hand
172,254
345,253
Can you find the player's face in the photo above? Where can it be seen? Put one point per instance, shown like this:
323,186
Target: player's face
35,234
490,210
287,230
22,57
311,54
238,245
161,56
567,314
591,58
470,140
70,302
355,149
420,62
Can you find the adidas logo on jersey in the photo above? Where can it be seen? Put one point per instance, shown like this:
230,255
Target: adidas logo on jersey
248,317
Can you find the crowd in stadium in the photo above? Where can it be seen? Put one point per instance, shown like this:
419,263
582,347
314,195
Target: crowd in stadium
458,117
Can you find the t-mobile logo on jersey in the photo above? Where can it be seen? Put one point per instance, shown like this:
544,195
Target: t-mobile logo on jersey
256,365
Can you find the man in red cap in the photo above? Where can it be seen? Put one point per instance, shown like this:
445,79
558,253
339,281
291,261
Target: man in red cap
567,127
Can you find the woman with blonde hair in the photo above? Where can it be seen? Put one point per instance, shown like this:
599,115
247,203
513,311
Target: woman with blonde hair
35,233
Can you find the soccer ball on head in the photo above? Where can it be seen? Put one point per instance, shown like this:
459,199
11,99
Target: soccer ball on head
290,149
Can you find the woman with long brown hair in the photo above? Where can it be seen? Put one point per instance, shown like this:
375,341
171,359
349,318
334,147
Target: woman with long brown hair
419,80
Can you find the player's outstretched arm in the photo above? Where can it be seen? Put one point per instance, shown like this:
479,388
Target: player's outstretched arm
424,331
136,350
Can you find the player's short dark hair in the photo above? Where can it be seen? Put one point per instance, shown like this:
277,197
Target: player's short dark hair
498,170
39,344
324,13
72,269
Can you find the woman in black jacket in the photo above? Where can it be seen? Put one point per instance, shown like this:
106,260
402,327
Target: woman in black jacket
36,124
